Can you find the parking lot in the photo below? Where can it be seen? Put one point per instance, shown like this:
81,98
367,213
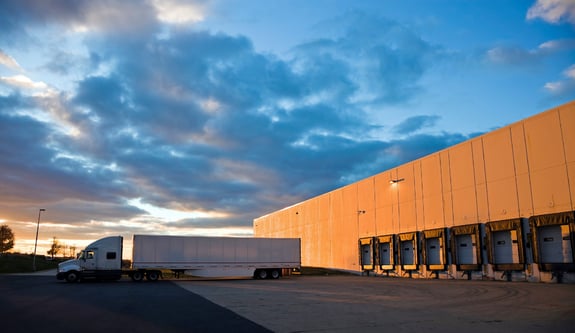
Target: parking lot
376,304
335,303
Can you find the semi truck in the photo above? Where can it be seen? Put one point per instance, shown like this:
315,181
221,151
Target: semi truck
260,258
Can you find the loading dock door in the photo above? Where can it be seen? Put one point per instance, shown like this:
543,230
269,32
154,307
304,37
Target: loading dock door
408,252
505,249
555,244
466,249
366,253
433,250
386,254
553,241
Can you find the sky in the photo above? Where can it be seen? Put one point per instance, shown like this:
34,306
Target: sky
195,117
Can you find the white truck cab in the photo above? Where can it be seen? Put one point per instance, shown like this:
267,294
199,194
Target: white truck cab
101,259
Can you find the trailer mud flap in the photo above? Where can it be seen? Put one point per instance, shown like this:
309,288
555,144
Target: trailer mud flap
466,247
434,252
386,252
408,251
366,254
553,241
505,239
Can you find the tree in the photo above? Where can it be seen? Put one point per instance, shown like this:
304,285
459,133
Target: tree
6,238
55,247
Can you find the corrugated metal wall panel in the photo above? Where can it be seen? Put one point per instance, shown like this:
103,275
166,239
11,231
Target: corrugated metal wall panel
521,170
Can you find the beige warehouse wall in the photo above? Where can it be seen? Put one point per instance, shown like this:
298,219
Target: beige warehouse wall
521,170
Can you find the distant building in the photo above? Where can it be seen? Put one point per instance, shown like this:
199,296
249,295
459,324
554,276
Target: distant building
498,206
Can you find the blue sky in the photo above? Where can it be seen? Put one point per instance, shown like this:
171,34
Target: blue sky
194,117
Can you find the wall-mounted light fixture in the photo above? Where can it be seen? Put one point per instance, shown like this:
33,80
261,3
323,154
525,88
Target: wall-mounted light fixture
395,181
361,211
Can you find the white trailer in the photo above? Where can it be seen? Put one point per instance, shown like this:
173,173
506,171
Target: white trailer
196,256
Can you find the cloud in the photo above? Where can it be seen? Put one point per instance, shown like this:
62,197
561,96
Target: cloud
200,121
23,81
179,11
553,11
380,61
515,55
563,87
415,123
8,61
19,18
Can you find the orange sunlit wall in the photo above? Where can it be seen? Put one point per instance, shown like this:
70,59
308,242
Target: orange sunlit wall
518,171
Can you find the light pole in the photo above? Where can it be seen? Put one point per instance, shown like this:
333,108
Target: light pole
36,242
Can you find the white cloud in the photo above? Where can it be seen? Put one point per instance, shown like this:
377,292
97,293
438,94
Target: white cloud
570,72
565,86
553,11
178,12
23,81
557,45
8,61
515,55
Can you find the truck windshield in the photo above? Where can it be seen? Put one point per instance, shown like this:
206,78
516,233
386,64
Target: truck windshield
81,255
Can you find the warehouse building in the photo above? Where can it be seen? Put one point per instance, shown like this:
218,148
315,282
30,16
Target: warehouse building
499,206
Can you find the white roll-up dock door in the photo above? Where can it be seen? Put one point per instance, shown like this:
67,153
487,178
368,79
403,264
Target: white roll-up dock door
553,243
466,247
386,252
408,251
506,250
366,253
435,254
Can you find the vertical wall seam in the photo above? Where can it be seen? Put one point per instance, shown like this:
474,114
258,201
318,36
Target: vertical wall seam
528,167
330,227
477,219
374,207
397,198
414,195
357,208
422,196
485,181
565,159
442,190
515,171
450,189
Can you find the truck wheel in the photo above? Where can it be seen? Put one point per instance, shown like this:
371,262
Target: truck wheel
137,276
262,274
152,275
275,274
72,276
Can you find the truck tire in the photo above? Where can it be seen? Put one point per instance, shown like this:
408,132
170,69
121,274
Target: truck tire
275,274
262,274
72,276
152,275
137,276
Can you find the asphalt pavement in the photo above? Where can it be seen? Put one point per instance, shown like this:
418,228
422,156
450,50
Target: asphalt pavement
378,304
40,303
